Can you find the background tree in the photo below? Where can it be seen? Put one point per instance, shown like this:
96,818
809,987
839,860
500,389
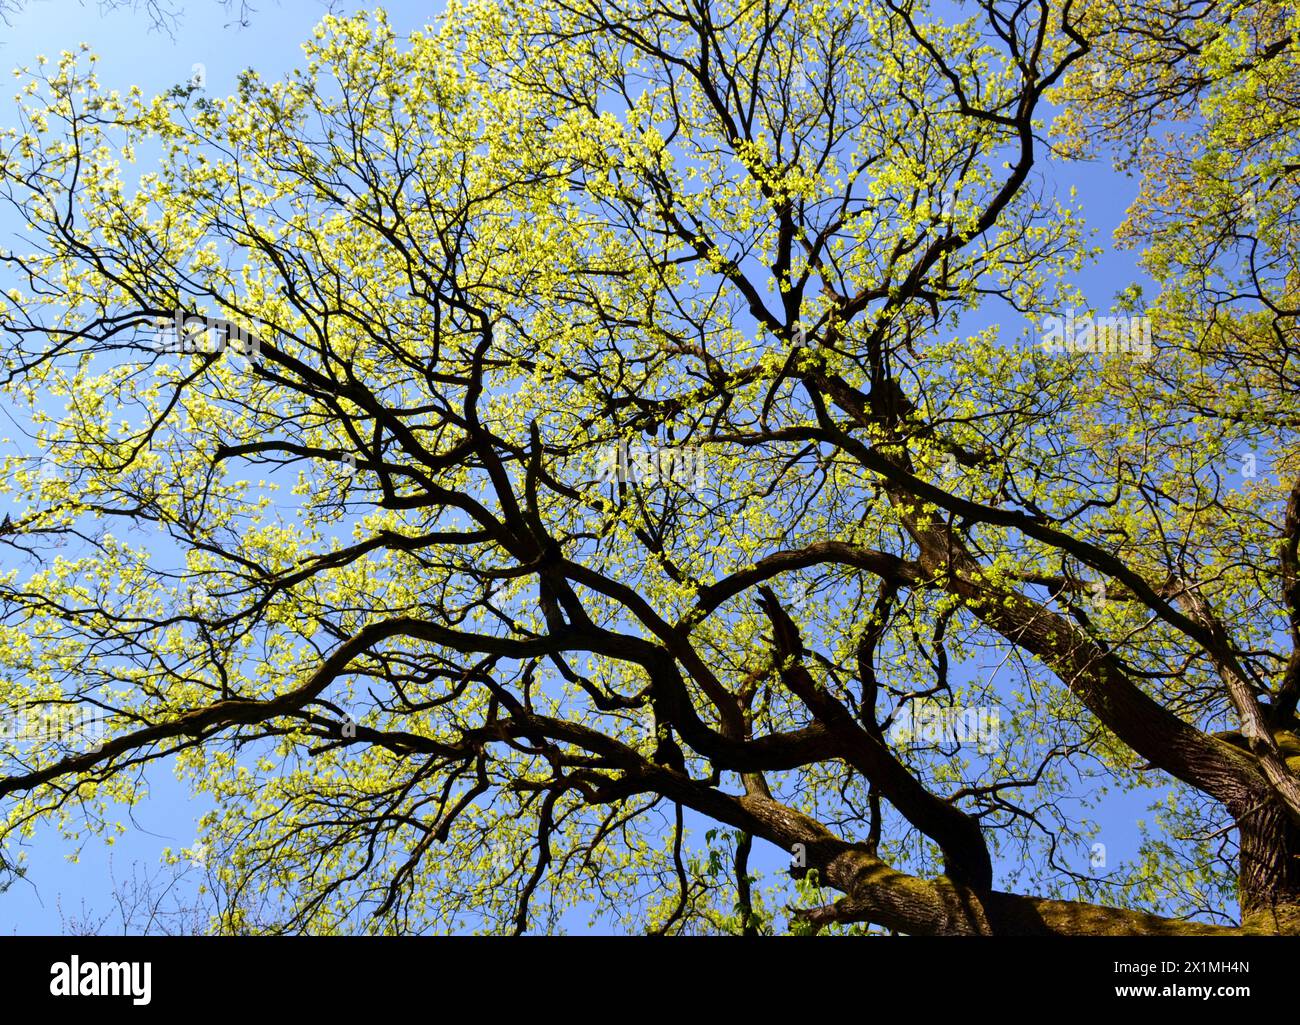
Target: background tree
162,15
638,431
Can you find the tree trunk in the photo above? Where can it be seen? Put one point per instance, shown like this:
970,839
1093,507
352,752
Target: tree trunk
1270,870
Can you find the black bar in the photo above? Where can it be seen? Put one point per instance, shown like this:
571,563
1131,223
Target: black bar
683,977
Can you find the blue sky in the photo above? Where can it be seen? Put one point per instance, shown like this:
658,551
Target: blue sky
133,53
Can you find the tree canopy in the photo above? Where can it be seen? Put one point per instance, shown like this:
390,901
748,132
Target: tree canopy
516,466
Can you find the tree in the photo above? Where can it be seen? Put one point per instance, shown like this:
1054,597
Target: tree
162,15
150,901
578,421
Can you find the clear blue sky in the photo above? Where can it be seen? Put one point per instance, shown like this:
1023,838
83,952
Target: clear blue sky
131,53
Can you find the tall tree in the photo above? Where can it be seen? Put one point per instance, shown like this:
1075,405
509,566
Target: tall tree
607,418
